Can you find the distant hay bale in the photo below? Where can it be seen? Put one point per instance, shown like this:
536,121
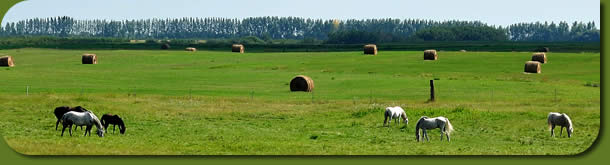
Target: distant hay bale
301,83
540,57
462,50
237,48
430,54
165,46
7,61
532,67
191,49
542,49
370,49
89,59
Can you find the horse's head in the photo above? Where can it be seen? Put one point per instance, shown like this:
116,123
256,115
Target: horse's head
406,120
100,132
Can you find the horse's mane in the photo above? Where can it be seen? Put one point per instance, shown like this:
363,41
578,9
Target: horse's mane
98,124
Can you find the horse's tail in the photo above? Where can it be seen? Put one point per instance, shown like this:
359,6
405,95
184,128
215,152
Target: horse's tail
103,119
418,125
448,127
549,118
59,111
64,118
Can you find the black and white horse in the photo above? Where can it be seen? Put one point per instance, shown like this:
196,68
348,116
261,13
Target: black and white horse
560,119
424,123
86,118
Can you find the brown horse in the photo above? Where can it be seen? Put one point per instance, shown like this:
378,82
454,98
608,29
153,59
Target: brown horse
60,111
108,119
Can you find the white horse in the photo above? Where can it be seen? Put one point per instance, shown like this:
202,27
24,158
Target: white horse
395,113
425,123
562,120
86,118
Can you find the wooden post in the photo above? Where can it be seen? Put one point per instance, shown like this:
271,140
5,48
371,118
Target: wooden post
431,90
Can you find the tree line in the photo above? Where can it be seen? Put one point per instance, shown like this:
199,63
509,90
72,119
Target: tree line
332,31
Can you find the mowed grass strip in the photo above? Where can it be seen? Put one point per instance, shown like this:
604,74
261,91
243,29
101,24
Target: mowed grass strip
207,102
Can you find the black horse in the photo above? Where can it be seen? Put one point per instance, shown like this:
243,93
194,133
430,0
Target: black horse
108,119
60,111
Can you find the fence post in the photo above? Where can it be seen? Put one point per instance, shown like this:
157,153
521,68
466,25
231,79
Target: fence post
432,90
27,90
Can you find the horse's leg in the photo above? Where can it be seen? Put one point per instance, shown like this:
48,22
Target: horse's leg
425,134
448,137
70,129
441,135
553,130
113,127
62,130
561,131
56,123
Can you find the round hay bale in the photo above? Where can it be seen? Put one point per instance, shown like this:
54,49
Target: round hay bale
542,49
191,49
7,61
165,46
540,57
462,50
237,48
430,54
301,83
532,67
370,49
89,59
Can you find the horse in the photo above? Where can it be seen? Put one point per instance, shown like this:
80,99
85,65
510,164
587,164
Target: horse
60,111
108,119
86,118
562,120
395,113
425,123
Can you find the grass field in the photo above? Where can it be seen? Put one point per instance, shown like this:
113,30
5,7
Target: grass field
209,102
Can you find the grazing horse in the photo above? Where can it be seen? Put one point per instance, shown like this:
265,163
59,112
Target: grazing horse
562,120
86,118
395,113
108,119
60,111
425,123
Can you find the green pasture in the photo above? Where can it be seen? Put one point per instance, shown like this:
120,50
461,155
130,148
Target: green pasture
221,103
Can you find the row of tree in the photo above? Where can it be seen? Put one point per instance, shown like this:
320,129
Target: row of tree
266,28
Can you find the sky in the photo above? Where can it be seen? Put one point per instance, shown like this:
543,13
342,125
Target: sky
493,12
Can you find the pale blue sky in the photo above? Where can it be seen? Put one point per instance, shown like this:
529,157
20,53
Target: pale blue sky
494,12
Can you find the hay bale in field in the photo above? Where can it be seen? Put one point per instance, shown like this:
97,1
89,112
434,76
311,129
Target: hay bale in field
301,83
370,49
89,59
165,46
7,61
540,57
237,48
532,67
462,50
191,49
430,54
542,49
